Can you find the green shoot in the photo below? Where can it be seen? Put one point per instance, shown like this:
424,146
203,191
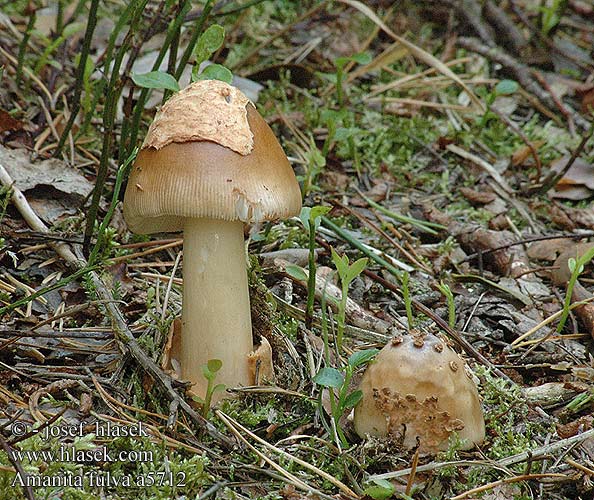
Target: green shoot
70,30
428,227
121,175
576,267
340,63
550,15
447,292
310,218
347,273
209,42
337,382
405,279
209,370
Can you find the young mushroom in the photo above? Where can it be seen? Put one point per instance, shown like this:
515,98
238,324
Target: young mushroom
209,164
417,388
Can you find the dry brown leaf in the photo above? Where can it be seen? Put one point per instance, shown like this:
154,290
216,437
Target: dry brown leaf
478,197
577,183
521,155
7,122
549,250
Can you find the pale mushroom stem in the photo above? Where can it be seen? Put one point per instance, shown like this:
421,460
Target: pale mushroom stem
216,307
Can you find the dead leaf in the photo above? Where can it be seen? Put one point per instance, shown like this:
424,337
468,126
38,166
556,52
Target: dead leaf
8,123
549,250
578,181
478,197
521,155
53,188
561,274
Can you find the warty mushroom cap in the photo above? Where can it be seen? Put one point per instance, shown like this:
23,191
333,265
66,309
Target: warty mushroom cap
209,154
418,387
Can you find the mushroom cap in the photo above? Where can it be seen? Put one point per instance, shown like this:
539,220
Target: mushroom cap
418,387
209,154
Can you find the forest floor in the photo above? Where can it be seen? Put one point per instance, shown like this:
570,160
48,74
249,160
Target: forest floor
447,144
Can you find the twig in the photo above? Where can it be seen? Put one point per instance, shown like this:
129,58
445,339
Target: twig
534,454
515,479
552,179
486,166
27,488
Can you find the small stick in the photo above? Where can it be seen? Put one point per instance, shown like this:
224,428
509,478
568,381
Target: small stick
553,178
27,489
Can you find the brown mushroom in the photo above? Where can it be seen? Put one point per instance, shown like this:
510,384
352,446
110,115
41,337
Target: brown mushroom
209,164
419,388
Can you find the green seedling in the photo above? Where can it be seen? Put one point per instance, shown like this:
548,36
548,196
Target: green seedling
209,370
504,87
576,266
550,15
405,280
23,46
337,382
341,123
310,218
447,292
347,273
209,42
88,86
340,63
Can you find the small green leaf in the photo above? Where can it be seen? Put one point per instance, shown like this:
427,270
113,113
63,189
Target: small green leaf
361,58
329,377
209,42
359,358
341,263
352,400
356,268
308,214
155,80
381,490
218,388
214,365
296,272
216,72
506,87
318,211
304,217
206,373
